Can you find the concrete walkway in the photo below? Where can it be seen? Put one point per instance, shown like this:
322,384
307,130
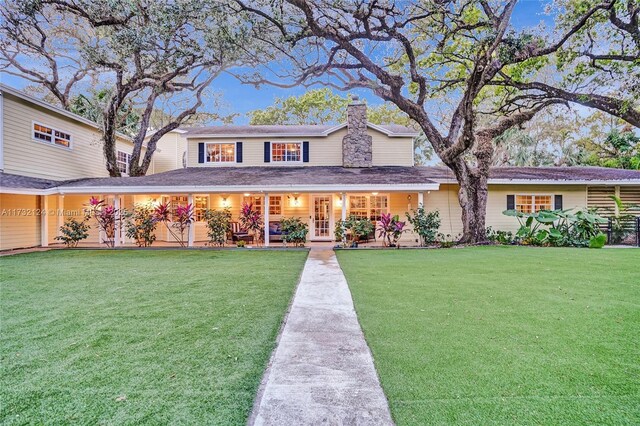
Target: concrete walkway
322,371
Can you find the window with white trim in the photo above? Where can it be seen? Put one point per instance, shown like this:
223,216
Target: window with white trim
255,201
275,204
286,152
220,152
378,204
529,203
122,161
200,206
51,136
368,206
175,201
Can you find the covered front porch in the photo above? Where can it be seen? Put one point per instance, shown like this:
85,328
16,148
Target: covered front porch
321,211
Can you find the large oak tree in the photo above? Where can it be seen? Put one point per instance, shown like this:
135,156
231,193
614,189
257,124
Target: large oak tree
460,69
148,52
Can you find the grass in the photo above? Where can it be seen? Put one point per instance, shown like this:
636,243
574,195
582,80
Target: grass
503,335
139,337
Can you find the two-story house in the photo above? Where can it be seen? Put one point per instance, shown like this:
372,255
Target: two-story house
318,173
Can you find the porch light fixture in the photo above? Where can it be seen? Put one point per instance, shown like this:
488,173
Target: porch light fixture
246,194
339,202
225,202
374,193
294,201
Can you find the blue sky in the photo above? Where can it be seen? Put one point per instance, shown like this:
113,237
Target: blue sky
239,98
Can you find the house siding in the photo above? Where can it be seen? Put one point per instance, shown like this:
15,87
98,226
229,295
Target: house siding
27,157
446,202
19,228
326,151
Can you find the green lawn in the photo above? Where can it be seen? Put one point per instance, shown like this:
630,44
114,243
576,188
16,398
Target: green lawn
130,337
503,335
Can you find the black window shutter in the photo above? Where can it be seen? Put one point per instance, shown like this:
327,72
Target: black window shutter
305,151
557,202
511,202
201,152
238,152
267,152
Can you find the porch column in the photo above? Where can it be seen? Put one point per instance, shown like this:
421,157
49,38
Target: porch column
116,206
60,214
343,212
266,219
420,199
44,221
192,225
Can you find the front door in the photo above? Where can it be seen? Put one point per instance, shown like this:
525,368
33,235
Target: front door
321,218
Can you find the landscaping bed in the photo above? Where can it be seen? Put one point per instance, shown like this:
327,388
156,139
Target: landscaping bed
501,334
128,337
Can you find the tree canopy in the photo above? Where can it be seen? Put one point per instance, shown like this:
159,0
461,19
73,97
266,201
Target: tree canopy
146,52
461,70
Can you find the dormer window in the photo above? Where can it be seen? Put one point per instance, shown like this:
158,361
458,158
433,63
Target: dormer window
49,135
286,152
220,152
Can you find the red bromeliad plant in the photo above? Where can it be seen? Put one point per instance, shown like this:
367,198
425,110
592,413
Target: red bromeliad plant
390,228
106,216
251,220
180,220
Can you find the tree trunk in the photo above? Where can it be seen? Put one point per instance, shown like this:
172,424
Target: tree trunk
109,123
474,189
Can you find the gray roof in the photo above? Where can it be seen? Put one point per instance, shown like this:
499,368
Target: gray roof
323,175
24,182
286,130
253,176
544,173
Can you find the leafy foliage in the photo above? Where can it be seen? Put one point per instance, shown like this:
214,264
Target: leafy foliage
354,228
73,231
140,224
390,229
425,224
251,220
558,228
180,220
500,237
105,216
218,225
294,230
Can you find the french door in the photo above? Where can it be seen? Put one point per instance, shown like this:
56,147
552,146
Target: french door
321,218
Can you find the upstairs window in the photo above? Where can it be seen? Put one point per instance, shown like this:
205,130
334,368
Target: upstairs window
286,152
51,136
122,160
221,153
533,203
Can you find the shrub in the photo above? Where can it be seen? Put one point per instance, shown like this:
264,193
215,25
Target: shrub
241,244
425,224
500,237
217,225
251,220
105,216
357,228
294,230
73,231
390,229
180,220
446,241
140,224
559,228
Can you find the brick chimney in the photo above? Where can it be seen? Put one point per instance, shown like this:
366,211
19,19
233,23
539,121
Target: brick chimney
356,145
